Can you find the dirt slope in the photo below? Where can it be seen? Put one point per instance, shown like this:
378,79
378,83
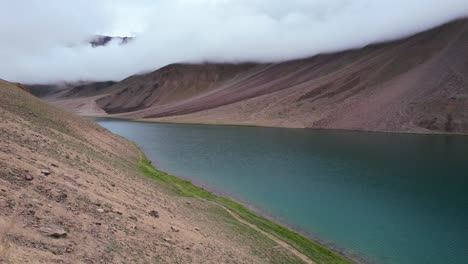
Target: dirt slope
87,90
70,193
418,84
168,85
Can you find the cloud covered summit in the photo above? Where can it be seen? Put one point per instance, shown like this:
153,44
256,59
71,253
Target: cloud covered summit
44,41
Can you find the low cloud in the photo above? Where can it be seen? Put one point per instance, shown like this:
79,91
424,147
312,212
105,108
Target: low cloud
43,41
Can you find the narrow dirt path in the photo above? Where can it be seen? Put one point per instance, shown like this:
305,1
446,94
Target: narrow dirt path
270,236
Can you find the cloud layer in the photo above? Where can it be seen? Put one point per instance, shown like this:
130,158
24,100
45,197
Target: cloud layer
43,41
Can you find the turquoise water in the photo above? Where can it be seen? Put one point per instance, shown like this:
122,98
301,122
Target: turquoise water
390,198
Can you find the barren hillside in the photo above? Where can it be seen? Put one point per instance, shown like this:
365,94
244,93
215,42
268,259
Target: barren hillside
168,85
418,84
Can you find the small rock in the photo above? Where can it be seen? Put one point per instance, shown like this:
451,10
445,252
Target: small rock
100,210
54,231
165,244
154,213
45,172
68,250
187,202
54,165
28,177
61,198
113,184
175,229
196,228
11,203
3,190
167,239
134,218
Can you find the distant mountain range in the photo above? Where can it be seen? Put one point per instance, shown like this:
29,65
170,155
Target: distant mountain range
417,84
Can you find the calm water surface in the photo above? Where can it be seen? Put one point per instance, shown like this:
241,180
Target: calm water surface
392,198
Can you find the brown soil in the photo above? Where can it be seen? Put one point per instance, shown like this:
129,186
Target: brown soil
170,84
70,193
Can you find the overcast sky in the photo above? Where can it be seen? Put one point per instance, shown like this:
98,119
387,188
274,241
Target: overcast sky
45,40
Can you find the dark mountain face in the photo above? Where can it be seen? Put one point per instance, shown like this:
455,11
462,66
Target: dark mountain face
44,90
68,90
100,40
88,89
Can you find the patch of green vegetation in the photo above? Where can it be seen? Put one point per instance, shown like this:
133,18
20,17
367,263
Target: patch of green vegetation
313,250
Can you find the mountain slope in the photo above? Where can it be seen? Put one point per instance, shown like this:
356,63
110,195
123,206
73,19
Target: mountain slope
88,89
167,85
417,84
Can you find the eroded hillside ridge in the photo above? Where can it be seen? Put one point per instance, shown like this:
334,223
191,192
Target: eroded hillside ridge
417,84
168,85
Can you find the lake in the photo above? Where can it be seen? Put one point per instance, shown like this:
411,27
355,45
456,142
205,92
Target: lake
389,198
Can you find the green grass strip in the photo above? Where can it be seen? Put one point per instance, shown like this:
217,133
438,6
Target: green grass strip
312,249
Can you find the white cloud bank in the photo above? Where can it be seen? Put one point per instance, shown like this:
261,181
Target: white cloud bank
38,36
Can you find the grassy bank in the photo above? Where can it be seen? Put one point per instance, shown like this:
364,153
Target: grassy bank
311,249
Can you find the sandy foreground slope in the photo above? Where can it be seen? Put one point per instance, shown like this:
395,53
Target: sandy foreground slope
70,192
